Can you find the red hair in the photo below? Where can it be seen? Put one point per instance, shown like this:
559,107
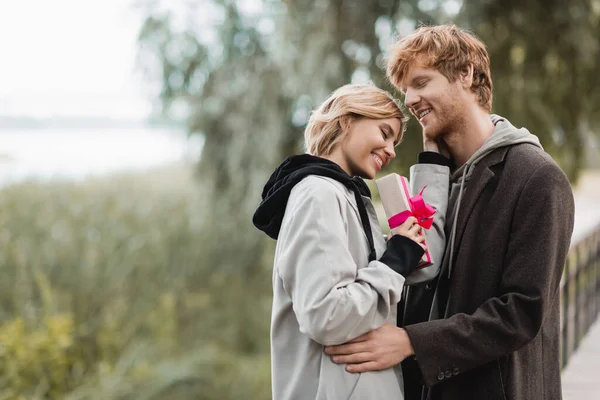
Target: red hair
448,49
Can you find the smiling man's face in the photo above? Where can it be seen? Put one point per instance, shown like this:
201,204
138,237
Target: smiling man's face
437,103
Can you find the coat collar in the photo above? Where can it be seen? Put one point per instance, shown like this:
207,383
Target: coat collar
481,177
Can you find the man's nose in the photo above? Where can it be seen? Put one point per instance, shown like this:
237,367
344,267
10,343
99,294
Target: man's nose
411,99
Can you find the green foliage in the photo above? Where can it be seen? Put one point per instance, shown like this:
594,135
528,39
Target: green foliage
543,55
39,361
544,65
105,294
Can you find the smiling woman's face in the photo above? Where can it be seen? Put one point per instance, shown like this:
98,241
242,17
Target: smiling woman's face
368,146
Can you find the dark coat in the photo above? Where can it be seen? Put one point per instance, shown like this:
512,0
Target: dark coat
500,335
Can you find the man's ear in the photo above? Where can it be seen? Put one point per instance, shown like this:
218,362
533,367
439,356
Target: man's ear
466,76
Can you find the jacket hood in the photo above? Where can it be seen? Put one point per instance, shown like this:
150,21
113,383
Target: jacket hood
504,134
275,195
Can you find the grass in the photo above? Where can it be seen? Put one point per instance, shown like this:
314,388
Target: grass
104,295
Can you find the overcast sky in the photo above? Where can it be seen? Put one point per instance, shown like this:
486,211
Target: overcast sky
77,57
70,58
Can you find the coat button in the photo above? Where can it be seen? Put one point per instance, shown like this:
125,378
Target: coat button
455,372
441,376
448,374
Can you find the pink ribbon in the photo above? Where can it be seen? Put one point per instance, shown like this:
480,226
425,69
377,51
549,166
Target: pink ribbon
422,211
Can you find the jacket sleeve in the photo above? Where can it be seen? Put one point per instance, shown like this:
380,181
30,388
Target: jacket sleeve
437,179
533,266
334,300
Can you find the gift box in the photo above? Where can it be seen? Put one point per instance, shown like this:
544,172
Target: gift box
399,205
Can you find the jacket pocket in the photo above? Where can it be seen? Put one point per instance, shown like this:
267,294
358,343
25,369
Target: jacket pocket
381,385
355,390
335,383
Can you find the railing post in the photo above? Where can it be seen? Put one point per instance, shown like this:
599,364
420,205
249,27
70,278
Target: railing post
583,289
571,326
596,260
564,315
580,293
597,269
576,293
591,281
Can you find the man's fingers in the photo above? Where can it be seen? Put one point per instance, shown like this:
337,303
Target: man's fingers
356,358
355,345
361,338
363,367
345,349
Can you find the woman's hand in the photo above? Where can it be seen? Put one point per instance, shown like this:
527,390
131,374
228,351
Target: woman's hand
437,146
411,230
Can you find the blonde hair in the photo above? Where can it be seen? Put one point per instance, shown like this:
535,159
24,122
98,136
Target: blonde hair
329,123
448,49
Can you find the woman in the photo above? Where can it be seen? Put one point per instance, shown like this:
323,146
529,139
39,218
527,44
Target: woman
335,277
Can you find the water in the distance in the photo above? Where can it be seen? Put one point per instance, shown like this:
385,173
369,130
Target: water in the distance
75,153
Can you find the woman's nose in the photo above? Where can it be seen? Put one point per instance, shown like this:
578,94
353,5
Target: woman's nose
389,150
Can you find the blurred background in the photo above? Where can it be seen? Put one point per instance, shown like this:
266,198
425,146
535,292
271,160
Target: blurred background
136,137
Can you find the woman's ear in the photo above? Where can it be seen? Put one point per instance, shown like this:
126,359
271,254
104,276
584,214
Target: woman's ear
345,126
466,76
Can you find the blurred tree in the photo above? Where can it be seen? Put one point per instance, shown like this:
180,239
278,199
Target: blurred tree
249,73
249,95
544,65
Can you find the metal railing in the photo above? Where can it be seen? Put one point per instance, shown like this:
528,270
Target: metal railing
579,293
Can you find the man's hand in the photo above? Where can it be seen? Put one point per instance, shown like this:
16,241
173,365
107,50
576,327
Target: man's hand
379,349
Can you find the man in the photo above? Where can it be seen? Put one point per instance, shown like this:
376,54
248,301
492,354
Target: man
488,326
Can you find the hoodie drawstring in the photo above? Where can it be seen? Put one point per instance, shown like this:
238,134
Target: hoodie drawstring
455,221
364,217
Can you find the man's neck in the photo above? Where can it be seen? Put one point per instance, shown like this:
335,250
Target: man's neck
469,136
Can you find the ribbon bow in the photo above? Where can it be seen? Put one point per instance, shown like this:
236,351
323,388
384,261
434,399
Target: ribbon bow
422,211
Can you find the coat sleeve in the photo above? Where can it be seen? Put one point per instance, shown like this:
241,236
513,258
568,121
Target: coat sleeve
533,266
437,180
334,300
